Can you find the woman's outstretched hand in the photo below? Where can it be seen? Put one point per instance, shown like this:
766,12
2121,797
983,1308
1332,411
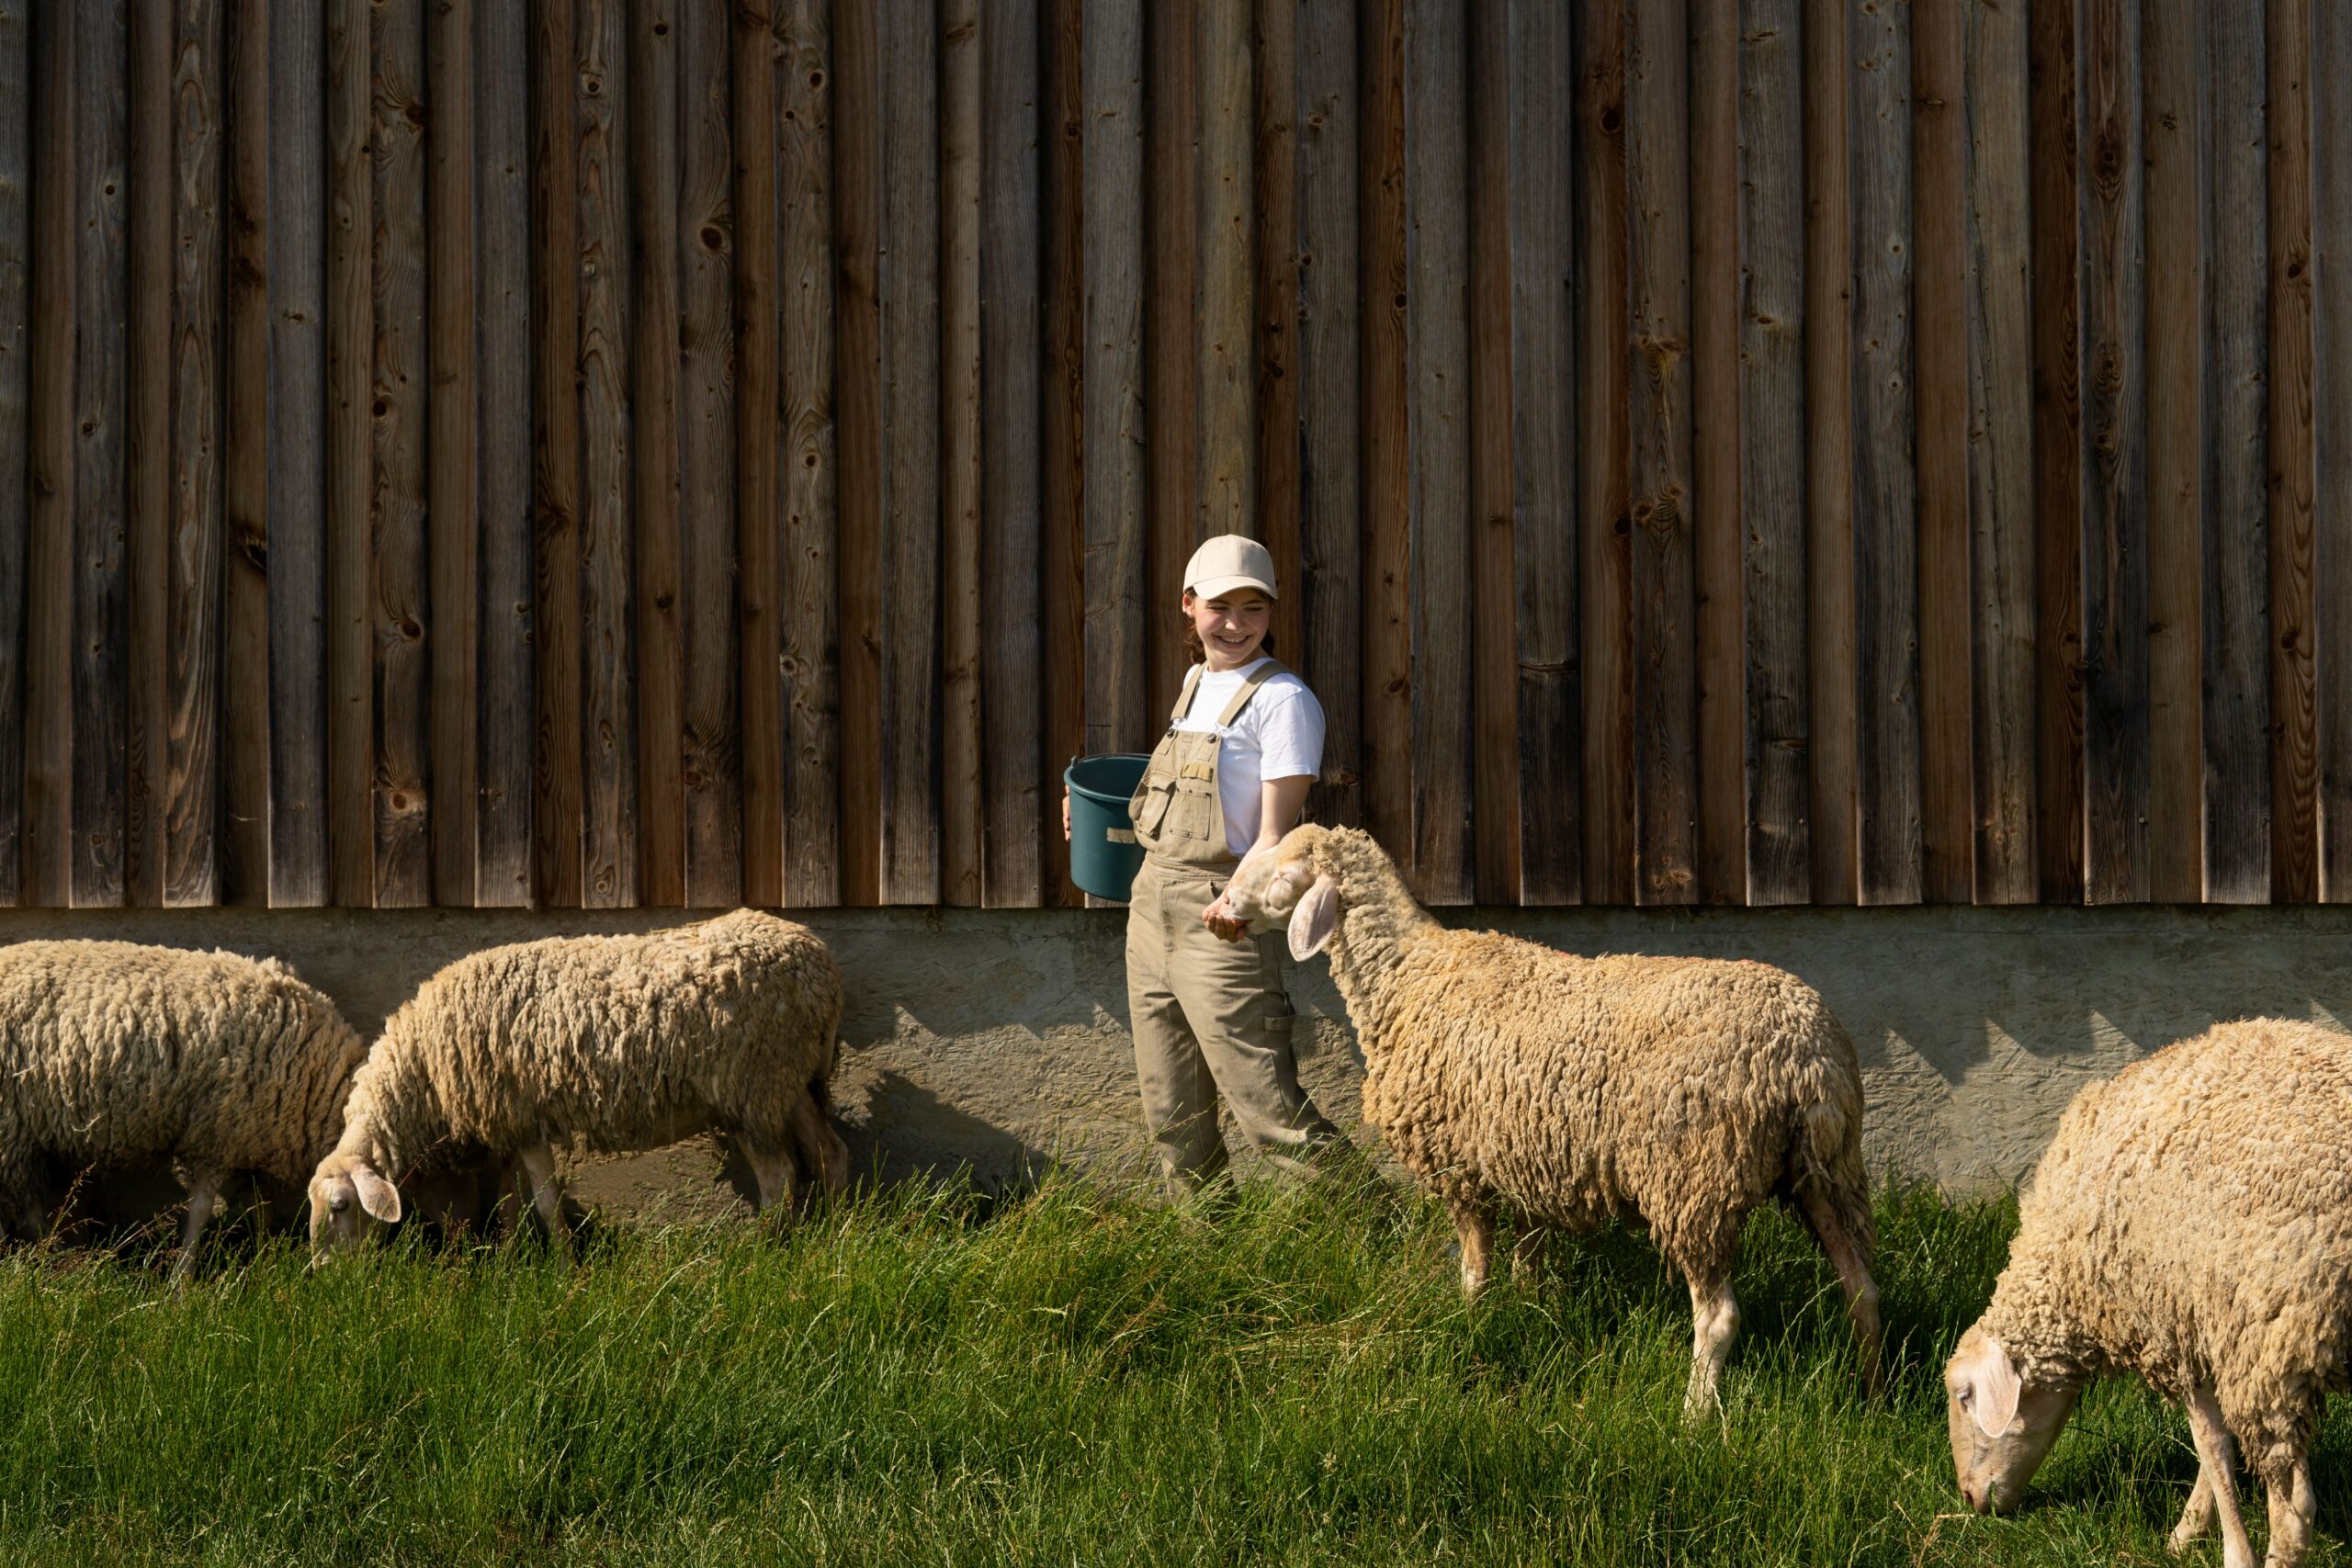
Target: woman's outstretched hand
1218,920
1065,816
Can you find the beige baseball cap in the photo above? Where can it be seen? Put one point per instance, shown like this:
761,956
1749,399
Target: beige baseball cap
1227,562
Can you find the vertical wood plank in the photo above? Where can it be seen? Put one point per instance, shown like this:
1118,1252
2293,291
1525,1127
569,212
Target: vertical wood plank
148,438
101,413
191,794
1062,552
2233,451
811,663
710,729
2294,693
556,386
1012,758
1829,458
858,165
2115,562
1492,628
298,687
2000,452
504,701
1544,406
1118,704
889,325
47,811
401,408
910,868
1225,214
1886,665
245,805
2332,407
1605,443
1946,592
1274,366
608,858
655,468
1771,433
1330,590
760,440
1437,361
962,795
2053,114
1658,199
16,345
1717,503
1387,604
2178,207
452,524
1171,365
351,348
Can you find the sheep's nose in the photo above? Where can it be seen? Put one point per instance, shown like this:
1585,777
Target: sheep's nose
1976,1497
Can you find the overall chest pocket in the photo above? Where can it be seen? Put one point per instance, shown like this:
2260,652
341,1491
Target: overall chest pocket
1194,811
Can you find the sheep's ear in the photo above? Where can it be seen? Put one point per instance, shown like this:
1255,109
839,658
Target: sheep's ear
1316,917
377,1196
1998,1389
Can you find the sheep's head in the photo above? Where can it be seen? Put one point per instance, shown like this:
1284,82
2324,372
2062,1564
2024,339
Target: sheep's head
2002,1428
346,1192
1291,881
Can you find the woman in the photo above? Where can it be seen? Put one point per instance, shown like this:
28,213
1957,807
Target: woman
1205,999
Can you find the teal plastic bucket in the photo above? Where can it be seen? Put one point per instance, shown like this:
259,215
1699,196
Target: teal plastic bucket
1104,855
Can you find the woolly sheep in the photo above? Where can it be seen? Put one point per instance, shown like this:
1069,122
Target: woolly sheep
625,1041
2191,1223
114,1055
1678,1092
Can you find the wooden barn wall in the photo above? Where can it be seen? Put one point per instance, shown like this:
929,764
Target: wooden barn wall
677,452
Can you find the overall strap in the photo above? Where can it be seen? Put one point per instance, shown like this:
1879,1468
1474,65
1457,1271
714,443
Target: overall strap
1258,677
1184,698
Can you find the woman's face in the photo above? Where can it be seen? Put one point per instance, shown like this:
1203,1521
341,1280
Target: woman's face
1231,625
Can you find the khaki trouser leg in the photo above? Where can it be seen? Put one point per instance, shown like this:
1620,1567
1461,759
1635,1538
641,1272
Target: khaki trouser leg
1180,1104
1210,1017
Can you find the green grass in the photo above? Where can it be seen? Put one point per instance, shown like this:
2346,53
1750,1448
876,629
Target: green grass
1072,1379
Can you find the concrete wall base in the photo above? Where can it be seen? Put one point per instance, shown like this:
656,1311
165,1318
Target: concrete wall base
996,1041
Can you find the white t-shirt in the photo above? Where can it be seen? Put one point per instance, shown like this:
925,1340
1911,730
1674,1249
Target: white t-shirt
1278,735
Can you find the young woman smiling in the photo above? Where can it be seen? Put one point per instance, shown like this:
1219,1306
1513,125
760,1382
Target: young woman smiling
1204,997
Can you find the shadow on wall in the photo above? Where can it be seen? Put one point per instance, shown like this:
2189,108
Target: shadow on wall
1975,1027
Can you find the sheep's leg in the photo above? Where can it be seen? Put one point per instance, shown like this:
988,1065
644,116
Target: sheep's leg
1475,1220
547,1193
1529,1252
1714,1319
773,1169
2196,1514
822,1151
2292,1507
1854,1278
203,1197
2213,1455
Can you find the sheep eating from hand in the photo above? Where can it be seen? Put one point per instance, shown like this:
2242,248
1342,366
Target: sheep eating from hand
1679,1093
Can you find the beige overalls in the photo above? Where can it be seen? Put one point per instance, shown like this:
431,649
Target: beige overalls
1209,1015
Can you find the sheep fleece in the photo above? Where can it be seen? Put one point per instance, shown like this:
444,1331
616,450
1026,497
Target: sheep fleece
1683,1091
2192,1223
625,1041
116,1053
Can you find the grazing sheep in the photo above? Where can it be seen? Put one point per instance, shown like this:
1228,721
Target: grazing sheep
115,1055
2191,1223
625,1041
1677,1092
